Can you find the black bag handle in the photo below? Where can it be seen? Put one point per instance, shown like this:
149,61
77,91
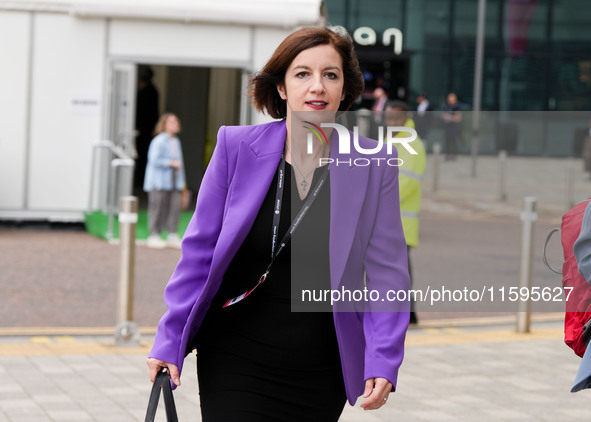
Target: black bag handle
162,381
544,258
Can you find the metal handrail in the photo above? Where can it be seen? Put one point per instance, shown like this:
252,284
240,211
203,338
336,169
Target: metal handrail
107,179
96,203
115,181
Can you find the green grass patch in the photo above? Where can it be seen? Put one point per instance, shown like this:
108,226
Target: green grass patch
97,224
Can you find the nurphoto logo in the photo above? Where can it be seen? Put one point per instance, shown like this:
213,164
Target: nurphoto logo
389,139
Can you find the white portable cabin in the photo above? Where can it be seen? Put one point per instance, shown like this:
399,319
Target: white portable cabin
68,82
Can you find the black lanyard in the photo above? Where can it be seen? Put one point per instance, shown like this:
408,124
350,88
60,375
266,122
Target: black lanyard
277,217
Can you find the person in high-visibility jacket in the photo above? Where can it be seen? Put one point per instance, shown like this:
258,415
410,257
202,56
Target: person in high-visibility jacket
409,178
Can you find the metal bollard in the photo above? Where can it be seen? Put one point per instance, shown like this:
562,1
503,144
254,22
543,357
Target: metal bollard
570,183
127,333
436,161
528,218
503,175
364,122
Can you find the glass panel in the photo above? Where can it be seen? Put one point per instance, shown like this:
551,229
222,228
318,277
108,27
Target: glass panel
336,10
570,20
466,18
571,84
377,14
522,85
426,19
526,133
434,80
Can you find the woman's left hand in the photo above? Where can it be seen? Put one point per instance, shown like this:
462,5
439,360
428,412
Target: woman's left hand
376,392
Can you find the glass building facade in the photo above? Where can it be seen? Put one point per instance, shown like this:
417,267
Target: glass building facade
537,59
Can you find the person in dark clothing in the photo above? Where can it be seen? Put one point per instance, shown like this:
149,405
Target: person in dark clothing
452,117
424,116
146,117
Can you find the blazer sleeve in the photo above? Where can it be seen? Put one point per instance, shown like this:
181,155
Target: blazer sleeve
191,274
386,266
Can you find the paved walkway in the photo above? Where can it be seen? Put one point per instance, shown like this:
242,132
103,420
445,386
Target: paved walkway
449,374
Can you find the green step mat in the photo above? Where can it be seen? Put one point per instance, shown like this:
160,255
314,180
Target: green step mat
97,223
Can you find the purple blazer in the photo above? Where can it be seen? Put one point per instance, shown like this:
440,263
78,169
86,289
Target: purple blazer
365,236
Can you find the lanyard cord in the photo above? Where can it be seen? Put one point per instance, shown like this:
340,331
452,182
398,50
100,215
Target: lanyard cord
277,212
276,218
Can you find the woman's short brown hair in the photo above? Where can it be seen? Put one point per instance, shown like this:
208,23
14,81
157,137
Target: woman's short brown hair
264,85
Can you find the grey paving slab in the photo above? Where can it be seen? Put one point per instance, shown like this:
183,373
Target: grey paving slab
430,415
114,417
69,415
21,409
11,390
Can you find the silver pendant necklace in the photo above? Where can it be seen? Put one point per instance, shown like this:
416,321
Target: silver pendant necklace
303,183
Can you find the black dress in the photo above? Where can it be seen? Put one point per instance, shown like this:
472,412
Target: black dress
257,360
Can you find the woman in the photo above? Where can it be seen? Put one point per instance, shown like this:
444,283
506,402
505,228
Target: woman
164,182
257,360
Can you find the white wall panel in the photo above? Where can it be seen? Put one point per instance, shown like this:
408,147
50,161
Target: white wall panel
172,41
68,64
14,51
266,40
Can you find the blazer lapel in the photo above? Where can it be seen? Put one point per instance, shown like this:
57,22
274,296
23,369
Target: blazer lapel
348,185
256,165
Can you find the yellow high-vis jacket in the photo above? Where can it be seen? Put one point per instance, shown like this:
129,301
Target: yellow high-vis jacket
409,178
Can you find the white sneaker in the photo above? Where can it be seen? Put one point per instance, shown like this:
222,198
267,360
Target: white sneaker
155,242
173,241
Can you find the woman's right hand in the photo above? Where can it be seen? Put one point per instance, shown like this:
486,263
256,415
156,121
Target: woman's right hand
155,365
